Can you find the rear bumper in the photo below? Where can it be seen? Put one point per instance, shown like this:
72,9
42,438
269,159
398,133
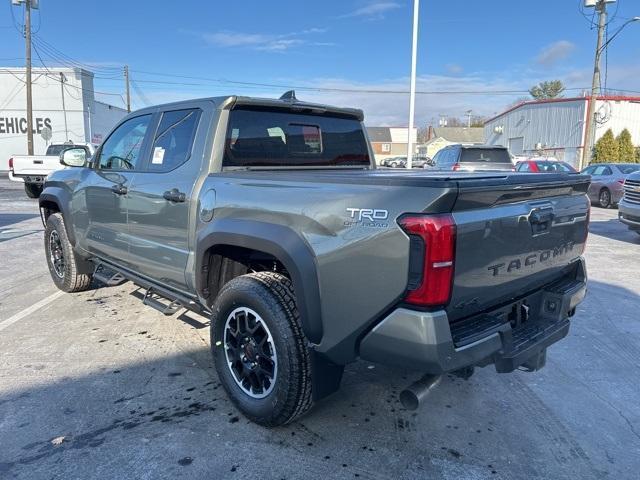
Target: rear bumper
425,341
629,214
31,178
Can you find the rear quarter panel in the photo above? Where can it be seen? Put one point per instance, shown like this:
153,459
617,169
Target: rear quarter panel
361,266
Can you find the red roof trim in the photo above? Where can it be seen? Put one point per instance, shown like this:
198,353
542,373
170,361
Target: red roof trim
614,98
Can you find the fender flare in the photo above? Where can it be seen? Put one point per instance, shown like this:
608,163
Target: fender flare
62,199
284,244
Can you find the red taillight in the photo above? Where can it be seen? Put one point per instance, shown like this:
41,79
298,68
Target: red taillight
456,167
11,164
438,232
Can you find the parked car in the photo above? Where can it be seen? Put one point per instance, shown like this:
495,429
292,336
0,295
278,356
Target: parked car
302,270
473,158
544,166
394,162
32,170
607,180
629,206
421,161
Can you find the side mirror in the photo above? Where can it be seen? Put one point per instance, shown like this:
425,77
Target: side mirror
74,157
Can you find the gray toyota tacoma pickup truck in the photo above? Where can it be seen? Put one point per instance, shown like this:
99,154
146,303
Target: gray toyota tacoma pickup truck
270,217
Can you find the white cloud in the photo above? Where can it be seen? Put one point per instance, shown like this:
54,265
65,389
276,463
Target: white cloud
554,52
374,10
453,68
262,41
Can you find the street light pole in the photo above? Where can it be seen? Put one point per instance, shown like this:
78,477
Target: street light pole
412,90
601,8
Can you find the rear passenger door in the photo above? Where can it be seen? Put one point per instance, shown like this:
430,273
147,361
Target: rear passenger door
161,199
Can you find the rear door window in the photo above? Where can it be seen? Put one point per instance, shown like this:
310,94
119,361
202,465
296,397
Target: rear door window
277,138
485,155
174,139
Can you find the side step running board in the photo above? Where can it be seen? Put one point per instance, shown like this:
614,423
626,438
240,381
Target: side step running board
154,300
156,296
109,277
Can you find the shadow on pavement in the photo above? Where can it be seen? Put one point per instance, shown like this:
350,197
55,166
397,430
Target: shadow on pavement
613,229
7,219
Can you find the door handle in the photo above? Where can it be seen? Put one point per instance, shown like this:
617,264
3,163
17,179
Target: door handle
174,195
119,189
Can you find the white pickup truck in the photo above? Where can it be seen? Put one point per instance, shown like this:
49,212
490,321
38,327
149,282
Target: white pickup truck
33,170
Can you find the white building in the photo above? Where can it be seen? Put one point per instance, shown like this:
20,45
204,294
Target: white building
557,127
63,100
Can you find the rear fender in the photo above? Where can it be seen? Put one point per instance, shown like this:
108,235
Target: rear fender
279,241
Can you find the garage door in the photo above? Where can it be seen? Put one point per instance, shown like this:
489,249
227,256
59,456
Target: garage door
516,145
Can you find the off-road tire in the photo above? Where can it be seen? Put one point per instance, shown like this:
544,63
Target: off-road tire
271,296
72,279
33,190
604,198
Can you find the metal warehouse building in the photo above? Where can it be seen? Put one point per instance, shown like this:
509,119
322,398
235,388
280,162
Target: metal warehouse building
63,100
557,127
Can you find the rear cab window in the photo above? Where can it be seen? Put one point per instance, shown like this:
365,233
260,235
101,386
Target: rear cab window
263,137
485,155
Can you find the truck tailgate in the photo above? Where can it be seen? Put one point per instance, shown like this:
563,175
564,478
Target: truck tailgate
515,234
35,164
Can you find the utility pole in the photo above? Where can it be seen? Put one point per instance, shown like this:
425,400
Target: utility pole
126,81
412,94
27,33
64,109
601,8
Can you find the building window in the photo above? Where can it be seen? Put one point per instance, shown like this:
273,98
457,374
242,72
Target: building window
386,147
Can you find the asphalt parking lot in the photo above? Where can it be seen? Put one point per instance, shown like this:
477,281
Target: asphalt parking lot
96,385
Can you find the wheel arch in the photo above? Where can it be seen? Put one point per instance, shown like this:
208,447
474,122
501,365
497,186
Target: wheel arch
280,242
56,200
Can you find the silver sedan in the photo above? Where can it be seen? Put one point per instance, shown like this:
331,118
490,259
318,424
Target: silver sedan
607,180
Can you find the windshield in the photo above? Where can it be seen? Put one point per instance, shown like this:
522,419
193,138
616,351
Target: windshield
626,169
485,155
277,138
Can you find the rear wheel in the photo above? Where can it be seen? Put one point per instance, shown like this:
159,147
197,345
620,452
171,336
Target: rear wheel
67,270
604,198
259,349
33,190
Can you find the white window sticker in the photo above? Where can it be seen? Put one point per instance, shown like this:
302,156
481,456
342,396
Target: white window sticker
158,155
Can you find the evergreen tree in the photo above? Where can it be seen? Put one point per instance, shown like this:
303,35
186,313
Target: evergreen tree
625,147
606,149
550,89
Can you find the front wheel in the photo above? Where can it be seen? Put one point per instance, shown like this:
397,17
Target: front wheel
259,349
33,190
604,198
67,270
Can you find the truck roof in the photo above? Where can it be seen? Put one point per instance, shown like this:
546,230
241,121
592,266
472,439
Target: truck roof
286,103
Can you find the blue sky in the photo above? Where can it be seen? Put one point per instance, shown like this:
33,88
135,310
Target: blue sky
464,45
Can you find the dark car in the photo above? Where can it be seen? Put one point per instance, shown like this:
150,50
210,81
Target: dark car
607,180
544,166
473,157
